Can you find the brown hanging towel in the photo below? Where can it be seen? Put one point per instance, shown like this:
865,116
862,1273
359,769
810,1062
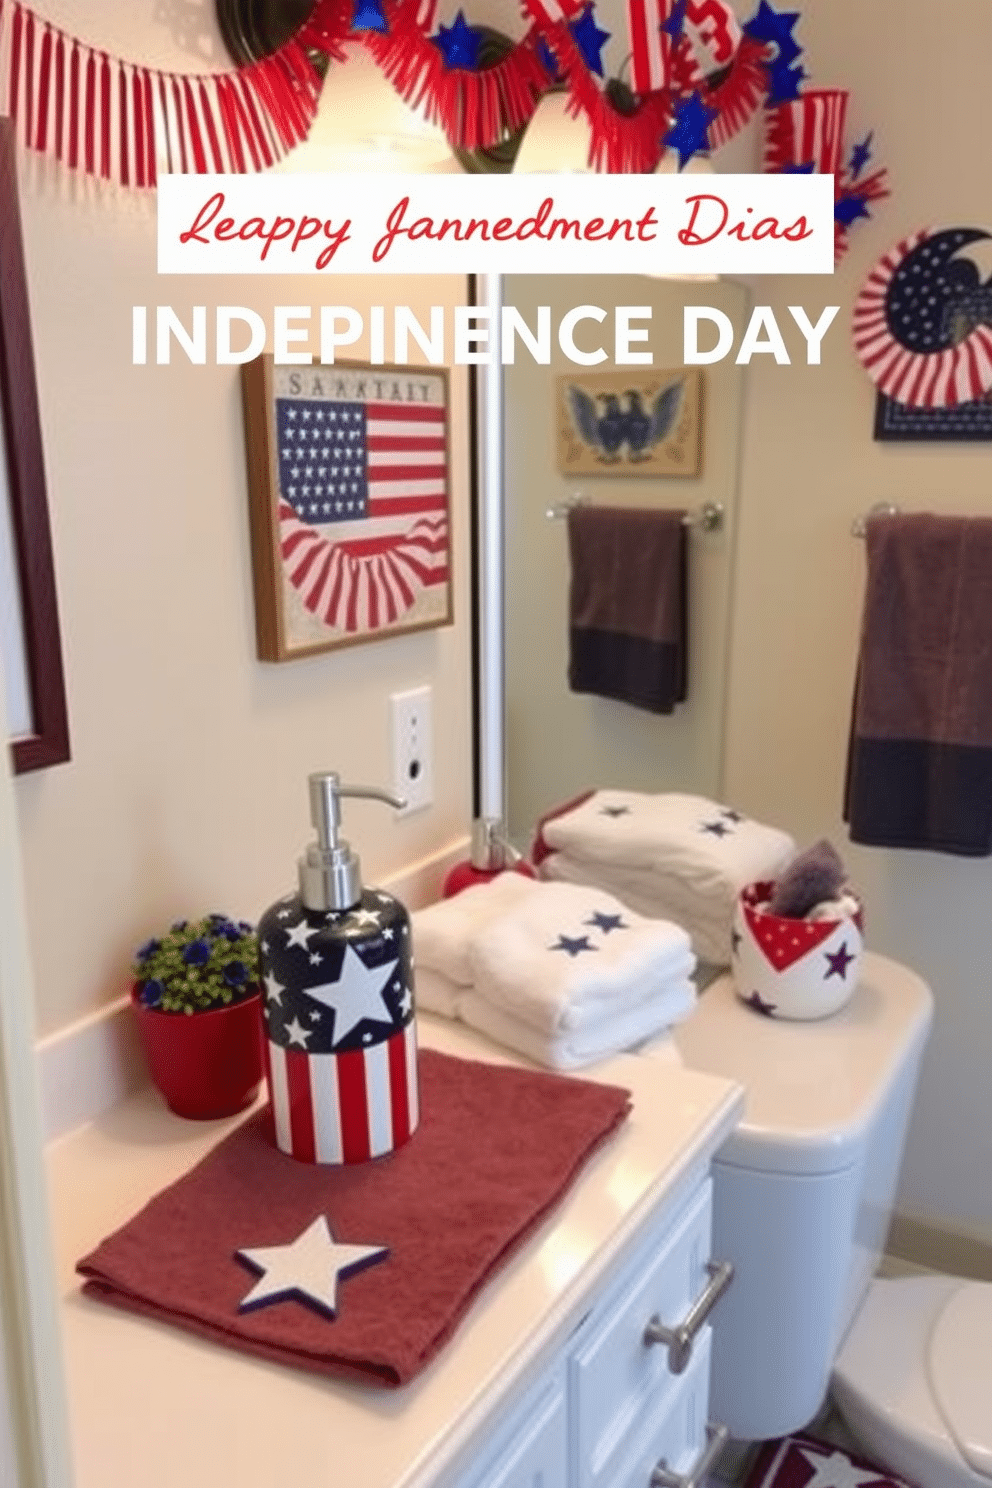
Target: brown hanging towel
919,768
628,620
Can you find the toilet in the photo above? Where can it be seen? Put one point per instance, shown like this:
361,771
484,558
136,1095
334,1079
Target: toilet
913,1379
803,1195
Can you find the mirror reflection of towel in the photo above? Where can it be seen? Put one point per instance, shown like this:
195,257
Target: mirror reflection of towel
628,623
919,770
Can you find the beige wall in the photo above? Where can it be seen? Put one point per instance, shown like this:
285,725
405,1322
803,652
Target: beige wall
810,465
187,786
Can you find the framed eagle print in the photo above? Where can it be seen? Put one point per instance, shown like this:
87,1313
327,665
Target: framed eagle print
348,492
629,423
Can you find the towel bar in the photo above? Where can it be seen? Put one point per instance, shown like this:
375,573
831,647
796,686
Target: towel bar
708,517
880,509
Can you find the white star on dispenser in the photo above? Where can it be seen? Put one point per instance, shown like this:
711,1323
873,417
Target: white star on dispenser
306,1269
356,995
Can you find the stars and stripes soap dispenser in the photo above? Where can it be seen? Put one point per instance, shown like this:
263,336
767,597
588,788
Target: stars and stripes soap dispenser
341,1053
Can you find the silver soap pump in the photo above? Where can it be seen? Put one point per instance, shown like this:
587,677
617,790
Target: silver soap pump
337,971
330,873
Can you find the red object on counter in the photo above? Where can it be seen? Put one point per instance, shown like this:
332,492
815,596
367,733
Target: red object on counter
206,1065
466,876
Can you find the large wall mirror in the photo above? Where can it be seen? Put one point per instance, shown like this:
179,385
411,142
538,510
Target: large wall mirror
558,742
30,645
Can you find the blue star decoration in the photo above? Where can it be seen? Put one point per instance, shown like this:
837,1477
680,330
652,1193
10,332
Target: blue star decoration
783,84
860,156
573,945
776,26
806,169
848,209
675,24
306,1269
760,1005
546,57
716,828
729,814
590,40
689,134
459,43
606,922
368,16
838,962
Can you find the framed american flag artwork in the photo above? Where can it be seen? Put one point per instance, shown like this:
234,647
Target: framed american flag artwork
348,488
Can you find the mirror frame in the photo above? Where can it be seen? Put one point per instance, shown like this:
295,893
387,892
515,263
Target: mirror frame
48,741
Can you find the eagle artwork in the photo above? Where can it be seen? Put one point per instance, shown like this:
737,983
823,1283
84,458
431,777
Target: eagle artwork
610,425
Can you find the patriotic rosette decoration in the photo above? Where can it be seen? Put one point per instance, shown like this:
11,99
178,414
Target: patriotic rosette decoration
922,323
341,1050
363,501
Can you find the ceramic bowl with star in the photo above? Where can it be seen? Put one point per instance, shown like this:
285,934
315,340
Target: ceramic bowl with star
794,968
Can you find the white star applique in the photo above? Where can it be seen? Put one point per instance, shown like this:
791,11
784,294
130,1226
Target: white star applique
356,995
297,1034
365,916
299,934
837,1471
273,989
305,1270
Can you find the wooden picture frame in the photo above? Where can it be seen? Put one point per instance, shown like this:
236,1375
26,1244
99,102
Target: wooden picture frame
632,423
351,538
32,629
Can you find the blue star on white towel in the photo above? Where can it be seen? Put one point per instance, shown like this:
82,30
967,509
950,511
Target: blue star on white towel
306,1269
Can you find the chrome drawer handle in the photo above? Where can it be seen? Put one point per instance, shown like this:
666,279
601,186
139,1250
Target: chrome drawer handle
679,1337
716,1439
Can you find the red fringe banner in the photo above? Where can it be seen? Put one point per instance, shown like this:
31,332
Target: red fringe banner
475,109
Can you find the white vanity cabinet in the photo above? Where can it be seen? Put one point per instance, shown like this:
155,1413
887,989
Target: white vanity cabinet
614,1407
549,1380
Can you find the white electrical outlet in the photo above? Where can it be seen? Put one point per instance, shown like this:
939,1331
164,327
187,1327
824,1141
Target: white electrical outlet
413,748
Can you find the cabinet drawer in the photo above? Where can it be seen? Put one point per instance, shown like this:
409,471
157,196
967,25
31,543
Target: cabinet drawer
531,1449
615,1377
675,1434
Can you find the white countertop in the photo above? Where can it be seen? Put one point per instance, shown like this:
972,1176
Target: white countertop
154,1407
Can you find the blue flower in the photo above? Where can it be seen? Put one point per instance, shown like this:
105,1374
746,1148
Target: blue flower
235,974
148,949
197,953
230,932
151,993
180,925
244,926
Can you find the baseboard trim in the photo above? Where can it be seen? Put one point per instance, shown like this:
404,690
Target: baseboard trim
89,1066
933,1247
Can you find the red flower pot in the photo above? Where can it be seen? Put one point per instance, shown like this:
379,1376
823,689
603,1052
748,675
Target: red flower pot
206,1065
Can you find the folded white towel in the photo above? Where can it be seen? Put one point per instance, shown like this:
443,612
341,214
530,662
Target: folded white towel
567,958
678,857
441,932
692,835
433,992
572,1049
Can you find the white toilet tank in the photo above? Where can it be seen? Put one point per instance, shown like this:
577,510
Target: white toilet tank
803,1188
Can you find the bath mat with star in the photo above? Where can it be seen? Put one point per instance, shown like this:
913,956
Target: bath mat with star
803,1462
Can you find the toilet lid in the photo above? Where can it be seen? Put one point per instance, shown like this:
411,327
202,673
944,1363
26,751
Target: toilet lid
961,1372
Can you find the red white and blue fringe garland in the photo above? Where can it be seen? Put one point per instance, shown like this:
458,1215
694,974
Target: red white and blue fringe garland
697,77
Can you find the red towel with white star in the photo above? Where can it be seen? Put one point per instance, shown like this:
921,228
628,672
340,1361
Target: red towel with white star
496,1150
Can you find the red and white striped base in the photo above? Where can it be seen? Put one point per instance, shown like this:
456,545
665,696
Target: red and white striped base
345,1108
